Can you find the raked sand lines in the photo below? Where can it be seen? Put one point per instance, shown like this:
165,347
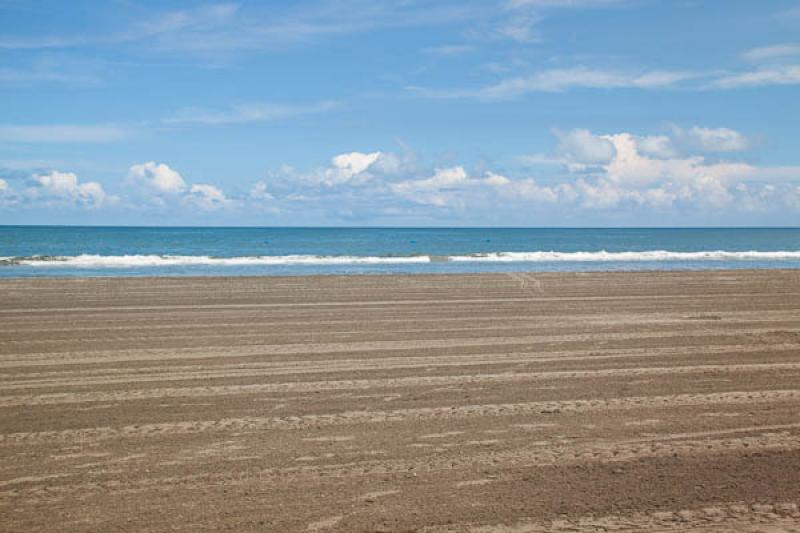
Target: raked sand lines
521,402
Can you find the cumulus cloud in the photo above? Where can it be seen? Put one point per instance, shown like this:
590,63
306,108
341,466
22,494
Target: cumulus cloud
64,188
600,195
454,187
526,189
347,166
260,192
631,167
435,190
608,174
441,179
207,197
7,196
662,171
711,139
448,187
163,185
659,146
157,177
354,168
581,147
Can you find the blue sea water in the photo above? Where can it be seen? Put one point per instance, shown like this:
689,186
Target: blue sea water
126,251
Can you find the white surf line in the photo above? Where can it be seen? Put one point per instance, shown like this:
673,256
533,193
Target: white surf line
88,356
497,256
253,423
193,372
365,384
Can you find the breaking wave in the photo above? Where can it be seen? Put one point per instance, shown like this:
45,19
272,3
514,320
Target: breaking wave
133,261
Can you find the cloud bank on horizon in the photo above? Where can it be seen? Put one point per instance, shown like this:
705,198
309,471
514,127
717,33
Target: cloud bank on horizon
513,112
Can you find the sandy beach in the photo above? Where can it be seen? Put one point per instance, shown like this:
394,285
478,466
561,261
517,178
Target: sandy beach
487,403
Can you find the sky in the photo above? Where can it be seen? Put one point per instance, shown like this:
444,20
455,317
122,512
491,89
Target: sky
400,112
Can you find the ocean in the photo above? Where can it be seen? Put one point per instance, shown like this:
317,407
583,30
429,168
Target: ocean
169,251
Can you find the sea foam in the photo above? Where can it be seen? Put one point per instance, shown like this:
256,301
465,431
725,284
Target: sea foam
134,261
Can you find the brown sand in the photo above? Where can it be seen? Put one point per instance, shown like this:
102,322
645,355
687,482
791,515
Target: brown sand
520,402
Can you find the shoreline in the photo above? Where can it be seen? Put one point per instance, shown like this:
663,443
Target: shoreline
782,270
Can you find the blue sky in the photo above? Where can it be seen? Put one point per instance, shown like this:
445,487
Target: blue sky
400,112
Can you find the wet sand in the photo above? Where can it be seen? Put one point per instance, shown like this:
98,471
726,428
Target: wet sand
508,402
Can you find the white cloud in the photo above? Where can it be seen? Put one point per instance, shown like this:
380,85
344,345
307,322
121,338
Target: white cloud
260,192
631,159
217,31
354,163
659,146
63,133
709,190
524,16
164,185
631,167
563,79
521,27
207,197
711,139
526,189
64,187
7,196
348,178
441,179
157,177
496,180
246,113
650,171
611,175
583,148
349,168
448,187
767,53
436,190
777,75
557,80
601,195
30,76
